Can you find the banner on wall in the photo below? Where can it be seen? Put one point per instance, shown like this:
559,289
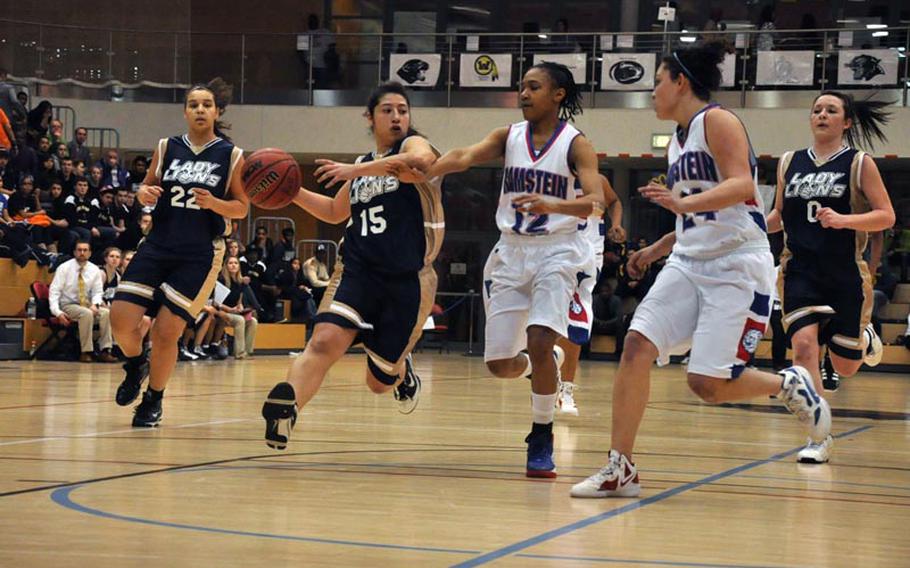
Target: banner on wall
415,69
628,71
576,62
728,71
867,67
785,68
485,70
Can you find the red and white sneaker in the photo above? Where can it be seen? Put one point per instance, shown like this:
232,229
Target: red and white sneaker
619,478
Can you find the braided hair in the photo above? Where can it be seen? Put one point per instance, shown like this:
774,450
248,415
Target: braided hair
222,93
867,118
570,105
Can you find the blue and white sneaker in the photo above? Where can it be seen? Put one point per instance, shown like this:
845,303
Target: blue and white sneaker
540,455
800,398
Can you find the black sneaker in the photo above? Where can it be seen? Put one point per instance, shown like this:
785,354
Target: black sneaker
184,354
407,393
132,384
280,413
148,412
830,378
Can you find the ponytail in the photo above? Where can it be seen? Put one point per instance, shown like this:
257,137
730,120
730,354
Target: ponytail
867,116
223,93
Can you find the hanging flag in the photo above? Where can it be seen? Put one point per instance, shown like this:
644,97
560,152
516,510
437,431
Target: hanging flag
628,72
867,67
486,70
415,69
576,62
785,68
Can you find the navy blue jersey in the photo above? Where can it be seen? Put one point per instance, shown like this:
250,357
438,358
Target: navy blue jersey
395,227
811,184
178,223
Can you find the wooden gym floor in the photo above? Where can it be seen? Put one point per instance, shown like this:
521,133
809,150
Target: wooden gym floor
362,485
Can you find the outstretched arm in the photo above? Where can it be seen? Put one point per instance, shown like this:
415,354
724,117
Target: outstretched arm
416,152
460,159
329,209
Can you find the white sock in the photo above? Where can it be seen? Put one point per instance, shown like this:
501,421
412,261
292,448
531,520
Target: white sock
527,371
543,406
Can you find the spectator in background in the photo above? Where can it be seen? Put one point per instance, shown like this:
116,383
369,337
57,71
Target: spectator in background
39,119
76,295
285,250
45,176
317,273
110,270
8,174
15,240
138,171
22,97
233,312
96,174
104,232
26,160
68,175
55,132
77,147
24,203
263,244
293,285
78,211
44,145
766,26
125,260
126,219
114,174
608,316
59,235
60,154
12,107
7,136
79,167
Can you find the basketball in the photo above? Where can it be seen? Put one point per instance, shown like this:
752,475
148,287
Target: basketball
271,178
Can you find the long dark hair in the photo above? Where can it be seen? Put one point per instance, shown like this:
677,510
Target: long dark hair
699,64
868,118
570,106
390,88
223,93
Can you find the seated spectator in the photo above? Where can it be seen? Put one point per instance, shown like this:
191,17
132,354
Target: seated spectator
68,175
137,172
39,119
60,237
78,211
26,161
15,240
317,273
78,168
232,311
197,331
60,153
12,106
96,174
125,260
24,206
252,270
233,249
8,174
263,244
607,311
55,133
104,233
292,284
111,273
125,214
114,174
77,148
45,177
44,145
7,136
285,250
76,295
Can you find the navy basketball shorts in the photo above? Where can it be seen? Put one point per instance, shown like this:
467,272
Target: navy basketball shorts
833,292
159,277
388,310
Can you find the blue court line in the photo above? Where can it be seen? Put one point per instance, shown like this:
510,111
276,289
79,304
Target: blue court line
555,533
62,497
651,562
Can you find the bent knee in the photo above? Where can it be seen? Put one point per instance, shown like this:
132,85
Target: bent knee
638,346
706,388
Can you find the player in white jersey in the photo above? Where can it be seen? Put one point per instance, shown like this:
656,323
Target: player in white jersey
581,315
530,277
715,291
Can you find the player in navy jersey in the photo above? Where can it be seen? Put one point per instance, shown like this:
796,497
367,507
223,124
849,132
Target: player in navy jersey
830,196
195,187
531,274
383,286
714,294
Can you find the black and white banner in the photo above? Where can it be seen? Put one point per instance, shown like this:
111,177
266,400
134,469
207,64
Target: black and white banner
576,62
785,68
415,69
628,71
728,71
867,67
485,70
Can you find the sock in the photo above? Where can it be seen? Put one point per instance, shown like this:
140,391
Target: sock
155,395
543,406
527,371
136,361
541,428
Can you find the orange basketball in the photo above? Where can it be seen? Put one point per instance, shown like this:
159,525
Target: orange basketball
271,178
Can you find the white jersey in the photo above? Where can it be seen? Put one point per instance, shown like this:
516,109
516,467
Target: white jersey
711,234
546,172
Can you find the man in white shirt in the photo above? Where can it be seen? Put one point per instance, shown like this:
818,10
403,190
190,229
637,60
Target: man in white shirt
76,295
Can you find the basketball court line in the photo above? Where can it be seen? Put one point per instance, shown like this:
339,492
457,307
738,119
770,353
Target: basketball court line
550,535
108,433
648,562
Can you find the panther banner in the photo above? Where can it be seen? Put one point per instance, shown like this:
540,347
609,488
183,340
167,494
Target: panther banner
628,71
576,62
415,69
485,70
785,68
867,67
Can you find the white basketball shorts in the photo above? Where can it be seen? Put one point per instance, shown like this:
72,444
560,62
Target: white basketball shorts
581,314
529,281
718,307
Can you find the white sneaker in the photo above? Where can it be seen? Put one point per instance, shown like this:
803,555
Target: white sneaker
874,348
800,398
816,453
619,478
565,400
559,355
